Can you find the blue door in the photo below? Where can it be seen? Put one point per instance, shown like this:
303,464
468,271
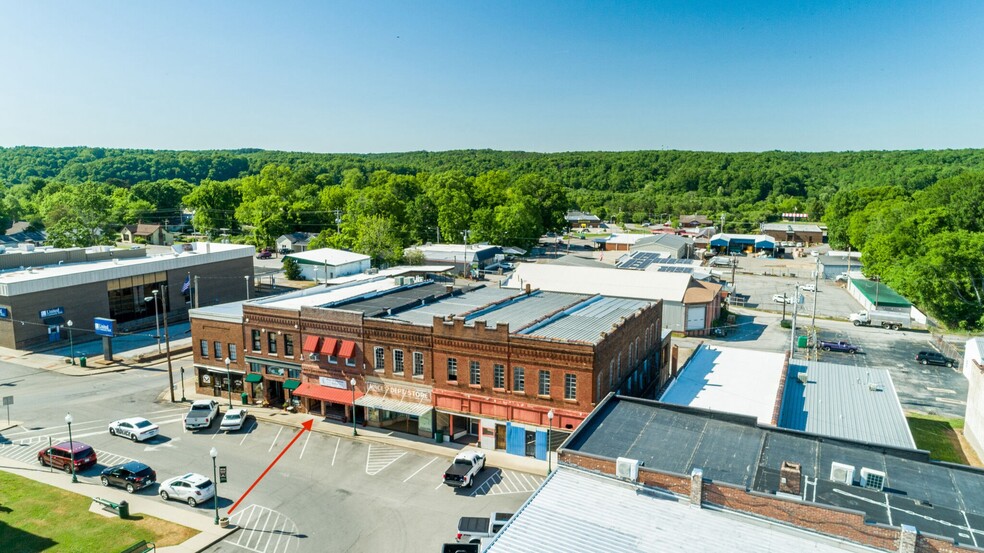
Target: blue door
515,439
541,445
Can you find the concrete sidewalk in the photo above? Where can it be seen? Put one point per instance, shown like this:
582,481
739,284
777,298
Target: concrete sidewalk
208,532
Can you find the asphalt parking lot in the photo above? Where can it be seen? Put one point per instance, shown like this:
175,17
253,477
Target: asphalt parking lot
325,494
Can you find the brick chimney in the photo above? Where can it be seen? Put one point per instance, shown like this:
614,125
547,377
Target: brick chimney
790,478
907,539
696,488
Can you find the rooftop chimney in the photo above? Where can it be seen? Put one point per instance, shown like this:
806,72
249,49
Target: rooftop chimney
790,478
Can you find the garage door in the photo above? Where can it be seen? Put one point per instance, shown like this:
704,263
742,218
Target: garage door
695,317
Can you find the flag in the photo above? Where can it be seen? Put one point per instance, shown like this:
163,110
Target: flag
187,285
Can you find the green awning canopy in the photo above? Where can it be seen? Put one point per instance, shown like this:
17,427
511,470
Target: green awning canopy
254,378
291,384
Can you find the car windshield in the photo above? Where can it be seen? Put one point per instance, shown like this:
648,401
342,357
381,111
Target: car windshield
204,485
232,416
143,424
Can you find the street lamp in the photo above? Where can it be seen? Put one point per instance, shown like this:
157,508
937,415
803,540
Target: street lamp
550,416
71,446
215,482
157,324
182,384
354,431
71,342
247,286
229,380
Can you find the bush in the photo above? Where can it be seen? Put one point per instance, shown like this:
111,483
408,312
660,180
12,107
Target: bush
291,269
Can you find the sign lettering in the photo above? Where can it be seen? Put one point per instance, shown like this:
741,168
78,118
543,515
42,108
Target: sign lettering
4,312
104,327
53,312
415,395
332,382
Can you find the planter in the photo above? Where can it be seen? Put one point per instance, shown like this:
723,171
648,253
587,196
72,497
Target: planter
224,522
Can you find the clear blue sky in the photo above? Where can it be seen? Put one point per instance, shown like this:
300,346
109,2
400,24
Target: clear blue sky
373,76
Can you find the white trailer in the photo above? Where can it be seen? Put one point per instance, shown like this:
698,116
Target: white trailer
894,320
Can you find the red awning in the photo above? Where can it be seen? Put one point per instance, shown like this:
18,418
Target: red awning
328,346
347,350
311,343
325,393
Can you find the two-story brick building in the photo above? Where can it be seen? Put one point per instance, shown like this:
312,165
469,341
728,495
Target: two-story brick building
479,364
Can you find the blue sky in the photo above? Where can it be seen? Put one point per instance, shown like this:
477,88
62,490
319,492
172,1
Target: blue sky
538,76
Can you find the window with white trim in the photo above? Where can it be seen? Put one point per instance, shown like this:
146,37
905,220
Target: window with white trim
379,358
452,369
418,363
544,383
570,386
398,361
475,370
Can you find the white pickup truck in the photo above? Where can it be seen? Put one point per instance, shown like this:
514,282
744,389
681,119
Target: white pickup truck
464,469
477,529
201,414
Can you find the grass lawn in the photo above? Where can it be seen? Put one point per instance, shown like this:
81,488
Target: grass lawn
938,435
36,517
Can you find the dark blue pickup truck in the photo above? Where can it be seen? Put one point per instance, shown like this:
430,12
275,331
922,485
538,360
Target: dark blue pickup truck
845,347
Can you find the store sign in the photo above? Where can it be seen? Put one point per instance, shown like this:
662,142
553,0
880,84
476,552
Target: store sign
4,312
333,382
222,475
53,312
104,327
416,395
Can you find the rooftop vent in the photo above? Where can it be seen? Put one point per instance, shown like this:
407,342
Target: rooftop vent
627,469
802,377
875,387
790,478
872,479
842,473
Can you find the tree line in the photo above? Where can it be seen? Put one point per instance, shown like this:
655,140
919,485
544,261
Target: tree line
912,213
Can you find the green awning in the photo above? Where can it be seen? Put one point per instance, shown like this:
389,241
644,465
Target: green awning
291,384
254,378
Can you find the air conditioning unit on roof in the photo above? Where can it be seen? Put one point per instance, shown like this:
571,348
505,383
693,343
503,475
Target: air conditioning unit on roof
627,469
872,479
839,472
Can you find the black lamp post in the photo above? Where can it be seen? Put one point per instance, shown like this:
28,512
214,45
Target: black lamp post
71,446
550,417
354,431
215,482
182,384
71,341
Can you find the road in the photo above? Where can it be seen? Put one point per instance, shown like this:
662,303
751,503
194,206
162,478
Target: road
326,493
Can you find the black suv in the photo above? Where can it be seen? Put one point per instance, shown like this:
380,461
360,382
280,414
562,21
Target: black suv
131,476
933,358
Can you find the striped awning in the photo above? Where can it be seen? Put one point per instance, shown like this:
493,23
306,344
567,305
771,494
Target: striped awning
395,405
347,350
311,343
328,346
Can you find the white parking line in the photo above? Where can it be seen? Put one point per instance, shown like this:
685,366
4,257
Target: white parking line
380,457
420,469
251,428
336,452
305,445
275,438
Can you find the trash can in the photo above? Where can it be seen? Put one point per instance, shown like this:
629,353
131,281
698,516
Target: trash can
124,509
245,398
439,436
82,361
802,342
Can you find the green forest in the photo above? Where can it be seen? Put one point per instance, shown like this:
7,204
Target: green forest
915,215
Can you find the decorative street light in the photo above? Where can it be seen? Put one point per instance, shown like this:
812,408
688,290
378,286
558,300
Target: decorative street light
71,342
354,431
215,482
229,380
182,384
157,323
550,416
71,446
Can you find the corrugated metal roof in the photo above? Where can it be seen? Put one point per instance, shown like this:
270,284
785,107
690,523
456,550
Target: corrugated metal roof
456,305
880,294
845,401
328,256
587,320
525,309
607,282
587,513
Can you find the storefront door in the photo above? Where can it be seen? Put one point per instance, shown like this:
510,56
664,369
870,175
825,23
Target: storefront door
500,436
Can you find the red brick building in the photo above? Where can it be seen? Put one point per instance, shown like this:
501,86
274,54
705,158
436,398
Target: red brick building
477,364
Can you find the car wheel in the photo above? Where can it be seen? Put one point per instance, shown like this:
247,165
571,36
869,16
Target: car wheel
857,323
130,488
41,460
164,495
104,480
949,364
133,437
853,351
192,502
924,362
112,431
826,348
67,468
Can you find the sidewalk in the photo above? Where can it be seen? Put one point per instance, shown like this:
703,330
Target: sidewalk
209,532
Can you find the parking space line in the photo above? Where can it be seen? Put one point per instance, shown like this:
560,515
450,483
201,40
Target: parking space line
339,440
275,438
251,428
420,469
382,458
305,445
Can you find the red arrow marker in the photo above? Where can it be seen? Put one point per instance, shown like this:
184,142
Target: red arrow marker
304,426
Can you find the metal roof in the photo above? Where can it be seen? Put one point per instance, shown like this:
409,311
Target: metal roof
577,511
455,305
595,280
586,320
524,309
328,256
230,312
879,293
941,499
845,401
642,259
731,380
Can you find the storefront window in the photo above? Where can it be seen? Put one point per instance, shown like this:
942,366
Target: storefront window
255,368
293,373
275,371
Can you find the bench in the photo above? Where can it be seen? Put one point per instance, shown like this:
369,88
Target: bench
108,505
140,547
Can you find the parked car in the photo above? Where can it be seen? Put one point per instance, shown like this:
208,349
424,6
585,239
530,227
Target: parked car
233,420
136,428
60,456
264,255
477,529
841,277
934,358
191,488
782,298
841,346
201,414
808,288
464,469
131,476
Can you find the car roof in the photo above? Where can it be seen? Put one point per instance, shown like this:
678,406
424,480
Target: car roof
203,402
235,410
132,466
74,446
192,477
133,420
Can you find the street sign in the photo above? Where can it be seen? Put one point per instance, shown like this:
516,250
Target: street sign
222,475
103,327
8,400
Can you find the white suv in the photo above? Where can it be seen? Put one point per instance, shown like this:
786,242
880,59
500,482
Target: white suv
780,298
191,488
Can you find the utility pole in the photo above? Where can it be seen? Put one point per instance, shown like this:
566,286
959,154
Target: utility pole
792,327
338,220
734,268
196,291
816,291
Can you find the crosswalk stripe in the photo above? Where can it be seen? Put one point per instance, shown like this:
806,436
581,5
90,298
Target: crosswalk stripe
258,522
380,457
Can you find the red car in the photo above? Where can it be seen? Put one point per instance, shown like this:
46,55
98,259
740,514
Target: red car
60,456
265,254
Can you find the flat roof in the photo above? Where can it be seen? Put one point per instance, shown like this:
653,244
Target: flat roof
328,256
229,312
53,277
937,498
844,401
597,280
795,227
574,510
455,305
391,272
731,380
880,293
586,320
319,296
